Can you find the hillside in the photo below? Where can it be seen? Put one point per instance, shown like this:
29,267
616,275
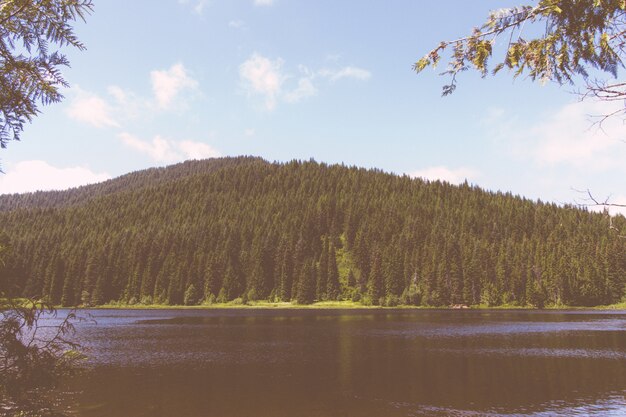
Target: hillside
221,229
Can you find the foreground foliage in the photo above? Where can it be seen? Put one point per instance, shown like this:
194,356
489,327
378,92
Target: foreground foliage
243,229
32,32
33,357
553,40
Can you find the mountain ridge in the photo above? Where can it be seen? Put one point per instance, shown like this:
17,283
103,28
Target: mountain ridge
132,180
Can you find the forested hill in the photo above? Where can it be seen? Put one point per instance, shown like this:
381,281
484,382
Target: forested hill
134,180
243,228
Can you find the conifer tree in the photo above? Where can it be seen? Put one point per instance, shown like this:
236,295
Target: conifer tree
306,284
375,290
247,239
30,64
332,289
323,273
191,295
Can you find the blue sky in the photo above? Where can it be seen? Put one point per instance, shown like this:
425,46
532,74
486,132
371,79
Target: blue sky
166,81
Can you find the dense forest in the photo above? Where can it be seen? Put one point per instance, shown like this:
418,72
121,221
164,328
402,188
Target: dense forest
245,229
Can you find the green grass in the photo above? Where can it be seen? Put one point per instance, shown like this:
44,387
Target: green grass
20,302
618,306
334,305
249,305
502,307
345,304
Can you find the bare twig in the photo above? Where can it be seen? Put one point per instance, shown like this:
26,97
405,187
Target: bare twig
592,201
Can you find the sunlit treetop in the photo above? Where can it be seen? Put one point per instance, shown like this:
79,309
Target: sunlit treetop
555,40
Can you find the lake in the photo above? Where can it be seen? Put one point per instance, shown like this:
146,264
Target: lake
372,363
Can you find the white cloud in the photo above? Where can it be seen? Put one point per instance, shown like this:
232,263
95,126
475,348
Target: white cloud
237,24
118,93
305,89
569,137
196,150
249,132
28,176
264,2
566,137
158,149
263,76
166,150
197,5
167,84
127,105
558,152
89,108
346,72
123,104
443,173
493,116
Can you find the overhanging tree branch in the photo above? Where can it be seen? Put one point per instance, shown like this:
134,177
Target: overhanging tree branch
29,70
580,37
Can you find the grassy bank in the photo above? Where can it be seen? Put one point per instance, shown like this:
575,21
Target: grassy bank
618,306
249,305
23,302
339,305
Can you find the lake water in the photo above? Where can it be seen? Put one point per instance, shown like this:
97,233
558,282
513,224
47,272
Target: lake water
372,363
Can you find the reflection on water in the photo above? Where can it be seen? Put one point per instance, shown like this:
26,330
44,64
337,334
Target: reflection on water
225,363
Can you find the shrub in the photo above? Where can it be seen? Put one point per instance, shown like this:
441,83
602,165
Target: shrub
33,357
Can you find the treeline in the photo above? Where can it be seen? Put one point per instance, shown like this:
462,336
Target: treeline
245,229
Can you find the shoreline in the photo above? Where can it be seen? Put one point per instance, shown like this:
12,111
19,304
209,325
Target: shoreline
322,305
336,305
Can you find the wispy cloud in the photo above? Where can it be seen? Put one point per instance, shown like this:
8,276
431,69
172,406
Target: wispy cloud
89,108
159,149
346,72
569,137
266,77
237,24
167,84
566,137
263,76
197,6
29,176
443,173
196,150
304,89
121,104
128,105
264,2
166,150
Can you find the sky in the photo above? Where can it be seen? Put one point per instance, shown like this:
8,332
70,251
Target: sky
162,82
